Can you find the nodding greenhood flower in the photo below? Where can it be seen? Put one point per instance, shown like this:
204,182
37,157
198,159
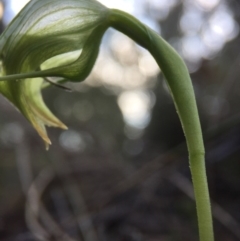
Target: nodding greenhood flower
48,38
61,38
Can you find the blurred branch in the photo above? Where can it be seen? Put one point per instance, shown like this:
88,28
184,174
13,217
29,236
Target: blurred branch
76,199
140,175
35,209
219,213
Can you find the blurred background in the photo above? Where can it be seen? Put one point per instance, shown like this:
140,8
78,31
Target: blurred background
121,171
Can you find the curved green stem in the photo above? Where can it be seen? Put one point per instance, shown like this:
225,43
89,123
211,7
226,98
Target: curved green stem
179,82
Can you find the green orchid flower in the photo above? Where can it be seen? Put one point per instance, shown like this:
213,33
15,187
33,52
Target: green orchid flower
49,34
59,38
